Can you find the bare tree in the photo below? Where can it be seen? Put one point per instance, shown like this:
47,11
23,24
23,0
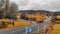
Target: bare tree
4,4
12,10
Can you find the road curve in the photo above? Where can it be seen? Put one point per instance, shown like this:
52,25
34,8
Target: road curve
21,30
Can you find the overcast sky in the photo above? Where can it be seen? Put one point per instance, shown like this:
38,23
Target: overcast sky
52,5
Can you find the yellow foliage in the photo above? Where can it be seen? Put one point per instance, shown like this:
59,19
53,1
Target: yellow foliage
58,17
56,29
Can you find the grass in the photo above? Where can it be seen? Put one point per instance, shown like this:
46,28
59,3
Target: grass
17,23
56,29
21,23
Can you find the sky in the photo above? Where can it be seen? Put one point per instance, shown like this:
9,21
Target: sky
50,5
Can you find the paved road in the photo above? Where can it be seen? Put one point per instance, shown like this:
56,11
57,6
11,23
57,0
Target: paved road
21,30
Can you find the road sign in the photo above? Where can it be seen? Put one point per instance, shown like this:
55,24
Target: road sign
28,29
38,23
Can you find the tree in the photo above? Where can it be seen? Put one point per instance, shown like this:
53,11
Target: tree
12,10
4,4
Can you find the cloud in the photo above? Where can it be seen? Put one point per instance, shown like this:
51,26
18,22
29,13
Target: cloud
52,5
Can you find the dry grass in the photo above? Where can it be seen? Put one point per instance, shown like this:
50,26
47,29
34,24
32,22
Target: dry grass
56,29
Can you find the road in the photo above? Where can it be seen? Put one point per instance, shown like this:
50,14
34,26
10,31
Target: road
21,30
